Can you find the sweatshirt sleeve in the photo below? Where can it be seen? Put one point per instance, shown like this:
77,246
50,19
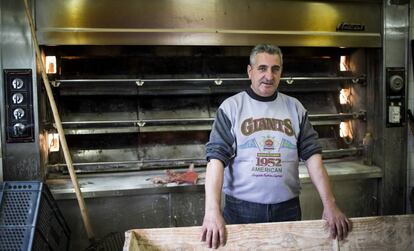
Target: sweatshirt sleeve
308,144
220,145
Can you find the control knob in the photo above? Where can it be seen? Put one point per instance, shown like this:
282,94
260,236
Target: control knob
18,129
17,98
18,113
396,83
17,83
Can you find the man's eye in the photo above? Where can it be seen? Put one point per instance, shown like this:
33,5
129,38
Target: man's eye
275,69
262,69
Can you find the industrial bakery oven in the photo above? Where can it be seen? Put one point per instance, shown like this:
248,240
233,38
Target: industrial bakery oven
133,108
137,94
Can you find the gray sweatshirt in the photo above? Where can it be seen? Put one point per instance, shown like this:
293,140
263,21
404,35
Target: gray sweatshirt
260,141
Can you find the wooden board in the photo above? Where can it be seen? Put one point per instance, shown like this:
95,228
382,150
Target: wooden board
369,233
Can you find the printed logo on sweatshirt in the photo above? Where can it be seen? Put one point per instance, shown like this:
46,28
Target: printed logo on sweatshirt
269,160
250,126
267,165
269,143
287,144
251,143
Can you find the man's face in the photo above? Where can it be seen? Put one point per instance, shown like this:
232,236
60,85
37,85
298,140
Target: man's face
265,74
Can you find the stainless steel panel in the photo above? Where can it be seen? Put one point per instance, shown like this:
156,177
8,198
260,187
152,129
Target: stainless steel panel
21,160
328,39
356,198
213,22
118,202
121,184
17,50
187,209
115,214
396,27
393,154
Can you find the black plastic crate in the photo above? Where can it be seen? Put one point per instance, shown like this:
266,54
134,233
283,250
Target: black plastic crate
30,218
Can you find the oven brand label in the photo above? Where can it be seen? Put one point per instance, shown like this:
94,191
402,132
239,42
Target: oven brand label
350,27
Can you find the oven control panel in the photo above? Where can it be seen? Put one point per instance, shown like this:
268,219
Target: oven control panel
19,105
395,96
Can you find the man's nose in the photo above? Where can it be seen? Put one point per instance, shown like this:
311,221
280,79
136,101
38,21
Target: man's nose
269,75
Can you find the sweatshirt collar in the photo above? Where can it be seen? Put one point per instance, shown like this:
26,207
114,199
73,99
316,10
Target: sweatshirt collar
253,95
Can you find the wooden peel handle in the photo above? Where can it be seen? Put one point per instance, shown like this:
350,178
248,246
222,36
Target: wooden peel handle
59,127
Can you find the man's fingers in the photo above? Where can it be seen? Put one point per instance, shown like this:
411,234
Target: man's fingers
333,230
208,238
339,231
203,234
215,239
212,231
222,237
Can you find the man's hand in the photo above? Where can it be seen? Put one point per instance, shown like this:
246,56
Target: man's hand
213,230
339,225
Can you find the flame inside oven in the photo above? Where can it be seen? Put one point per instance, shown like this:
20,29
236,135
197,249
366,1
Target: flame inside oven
53,142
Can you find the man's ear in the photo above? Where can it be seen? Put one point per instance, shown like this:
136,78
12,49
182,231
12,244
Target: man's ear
249,70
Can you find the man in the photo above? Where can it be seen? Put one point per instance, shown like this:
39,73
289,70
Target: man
256,142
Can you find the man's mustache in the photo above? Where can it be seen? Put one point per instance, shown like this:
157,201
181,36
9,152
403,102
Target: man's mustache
267,82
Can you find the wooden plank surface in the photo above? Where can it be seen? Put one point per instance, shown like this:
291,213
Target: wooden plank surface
369,233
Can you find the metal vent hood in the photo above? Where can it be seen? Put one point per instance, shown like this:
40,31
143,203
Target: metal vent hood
209,22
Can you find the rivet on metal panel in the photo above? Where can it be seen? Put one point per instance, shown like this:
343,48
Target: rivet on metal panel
362,114
175,221
356,115
139,82
218,81
141,123
55,83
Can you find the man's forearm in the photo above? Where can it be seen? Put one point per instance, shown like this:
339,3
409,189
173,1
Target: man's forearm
320,179
213,229
339,225
213,185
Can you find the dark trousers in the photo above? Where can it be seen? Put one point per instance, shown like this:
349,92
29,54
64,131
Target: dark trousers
242,212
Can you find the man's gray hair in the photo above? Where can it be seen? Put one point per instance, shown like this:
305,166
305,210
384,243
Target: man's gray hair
265,48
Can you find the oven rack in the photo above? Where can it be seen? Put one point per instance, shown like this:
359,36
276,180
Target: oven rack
141,82
191,86
154,164
176,124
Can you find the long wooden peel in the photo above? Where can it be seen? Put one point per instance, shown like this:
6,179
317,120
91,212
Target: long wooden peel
68,158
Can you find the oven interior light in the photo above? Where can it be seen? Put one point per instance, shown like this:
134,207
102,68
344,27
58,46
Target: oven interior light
50,64
344,64
345,130
53,142
344,96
